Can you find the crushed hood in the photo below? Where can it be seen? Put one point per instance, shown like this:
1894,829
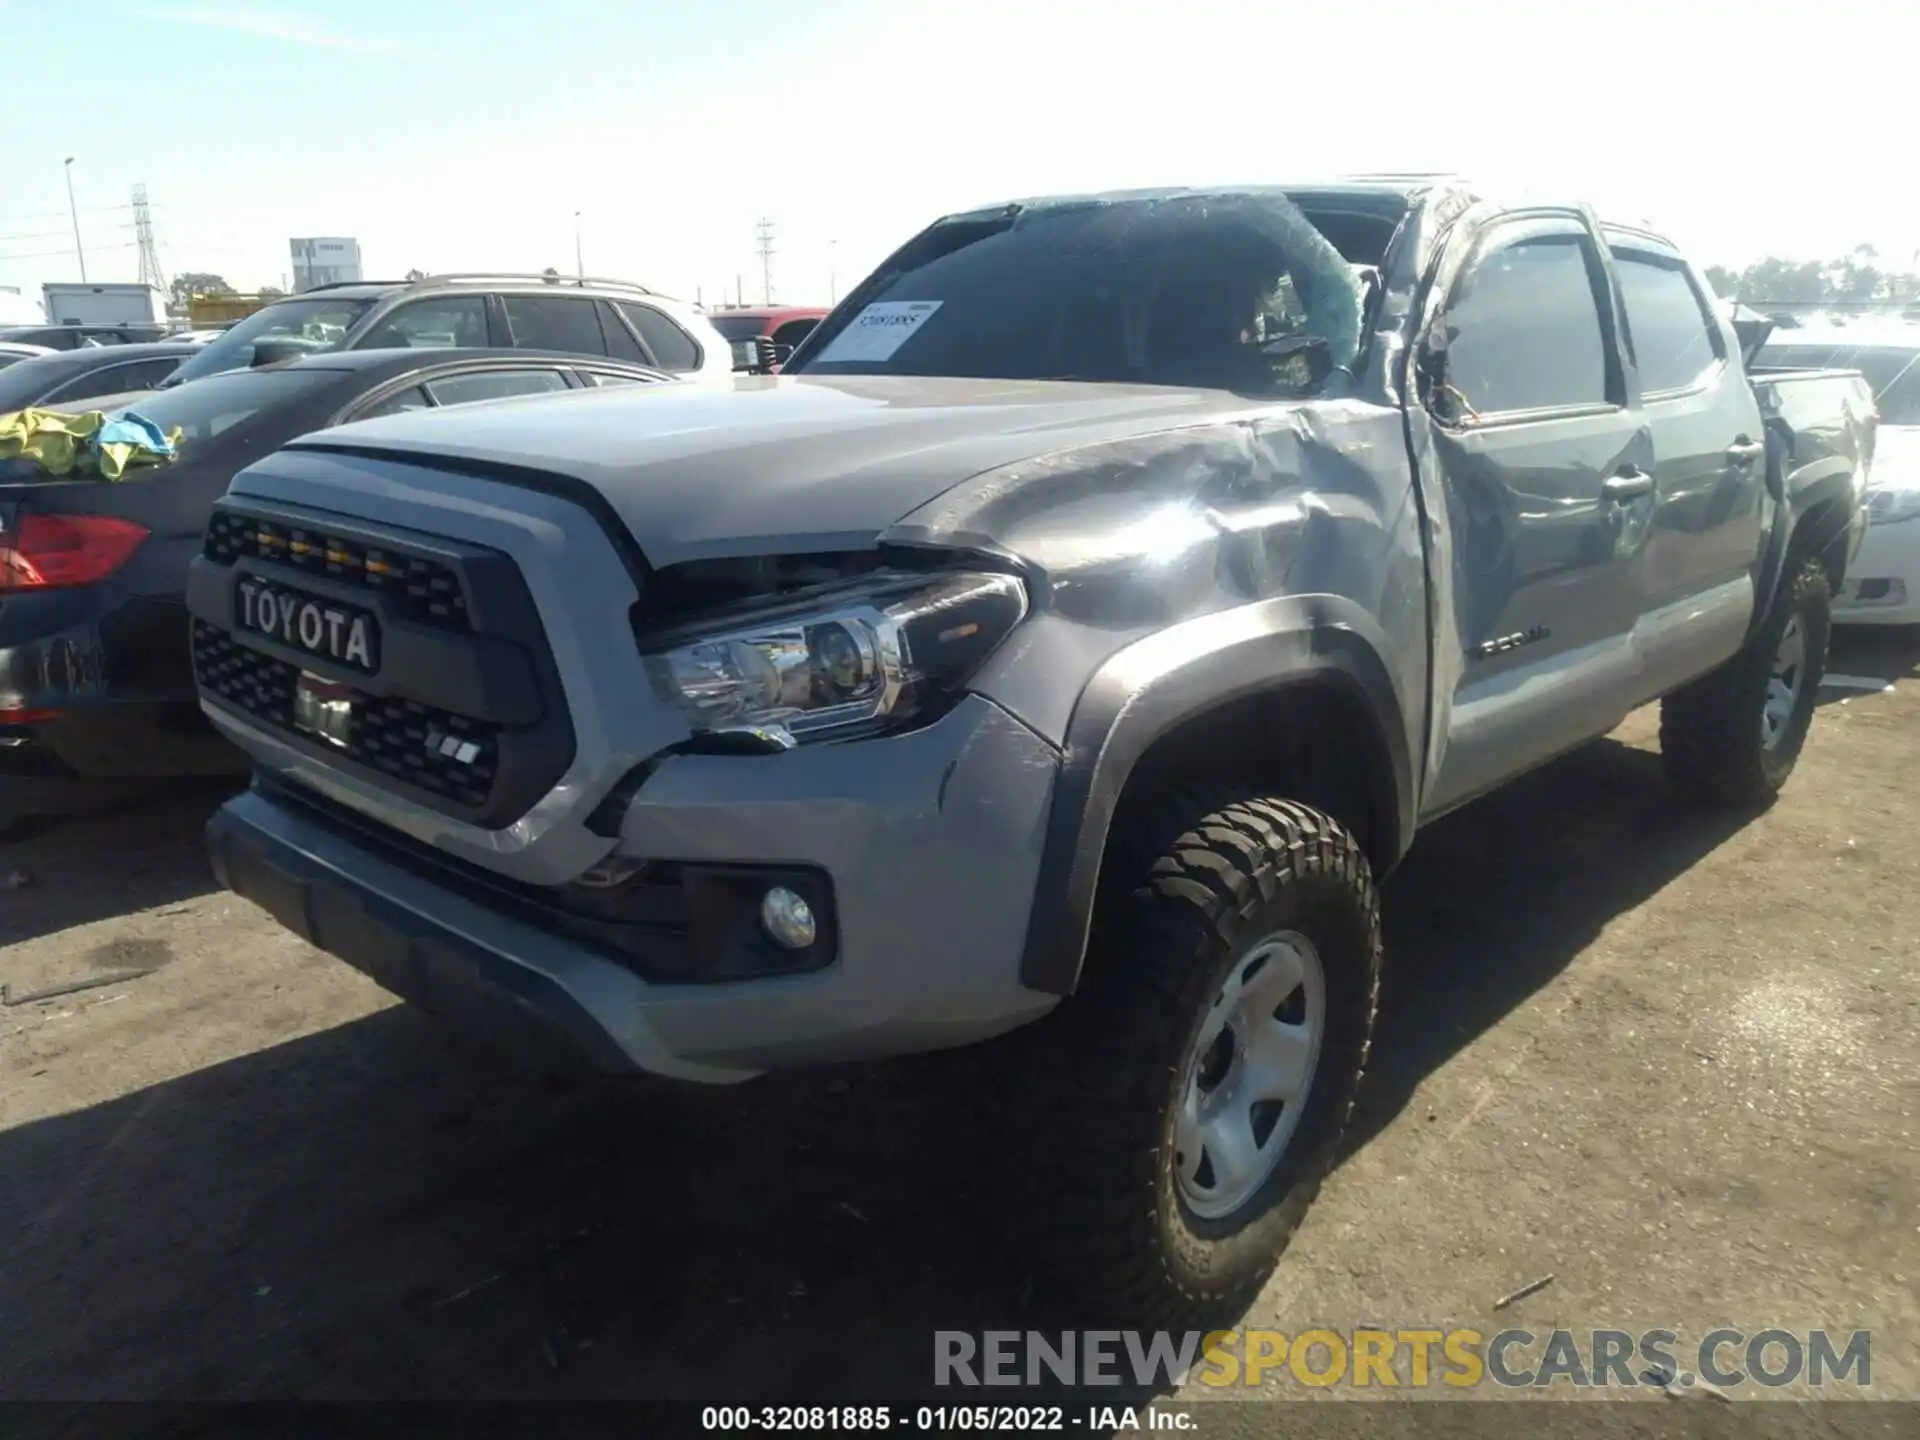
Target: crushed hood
777,465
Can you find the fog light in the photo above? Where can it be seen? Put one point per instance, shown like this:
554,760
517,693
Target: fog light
787,918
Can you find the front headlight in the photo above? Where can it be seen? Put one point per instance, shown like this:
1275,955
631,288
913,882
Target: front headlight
1886,506
843,663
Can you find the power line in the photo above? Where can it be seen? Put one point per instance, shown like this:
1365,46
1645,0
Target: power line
64,233
766,262
44,254
62,214
35,235
150,271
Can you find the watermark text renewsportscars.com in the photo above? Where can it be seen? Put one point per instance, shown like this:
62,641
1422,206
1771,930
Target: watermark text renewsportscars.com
1413,1358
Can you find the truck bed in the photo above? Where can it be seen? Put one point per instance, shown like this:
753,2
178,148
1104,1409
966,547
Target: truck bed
1824,419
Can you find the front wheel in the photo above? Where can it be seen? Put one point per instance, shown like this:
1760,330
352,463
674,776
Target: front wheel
1194,1091
1733,736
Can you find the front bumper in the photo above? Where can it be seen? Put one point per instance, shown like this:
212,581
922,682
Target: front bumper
1883,579
931,841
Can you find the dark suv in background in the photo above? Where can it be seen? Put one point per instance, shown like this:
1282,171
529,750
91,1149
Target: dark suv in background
528,312
73,337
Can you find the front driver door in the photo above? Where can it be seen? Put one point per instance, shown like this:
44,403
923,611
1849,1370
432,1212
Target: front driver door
1545,467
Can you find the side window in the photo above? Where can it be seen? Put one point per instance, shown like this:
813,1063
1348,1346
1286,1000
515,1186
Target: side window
412,398
543,322
107,380
1523,330
146,374
620,342
672,347
792,333
436,324
1666,323
494,385
605,378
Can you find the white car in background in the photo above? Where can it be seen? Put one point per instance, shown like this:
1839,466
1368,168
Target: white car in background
11,351
1883,583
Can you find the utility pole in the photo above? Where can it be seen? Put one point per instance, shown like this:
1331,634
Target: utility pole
739,292
579,264
150,272
766,262
833,272
74,210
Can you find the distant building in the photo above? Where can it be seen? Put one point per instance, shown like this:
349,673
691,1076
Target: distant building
326,260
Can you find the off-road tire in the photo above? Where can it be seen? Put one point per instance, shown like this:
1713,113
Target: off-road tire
1710,731
1191,884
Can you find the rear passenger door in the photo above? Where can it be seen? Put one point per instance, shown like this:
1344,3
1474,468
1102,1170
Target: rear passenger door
438,323
567,323
672,349
1709,466
1544,466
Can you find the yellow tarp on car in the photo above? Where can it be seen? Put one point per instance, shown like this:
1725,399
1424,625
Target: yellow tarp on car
87,444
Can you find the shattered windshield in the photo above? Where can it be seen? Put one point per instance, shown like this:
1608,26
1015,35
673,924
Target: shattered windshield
1234,292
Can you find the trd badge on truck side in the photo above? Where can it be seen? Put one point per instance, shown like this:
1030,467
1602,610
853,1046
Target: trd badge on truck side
1505,643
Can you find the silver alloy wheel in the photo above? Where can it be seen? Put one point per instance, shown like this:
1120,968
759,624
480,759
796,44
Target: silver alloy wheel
1783,684
1246,1079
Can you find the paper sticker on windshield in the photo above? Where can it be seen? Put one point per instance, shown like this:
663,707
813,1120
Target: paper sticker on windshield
879,330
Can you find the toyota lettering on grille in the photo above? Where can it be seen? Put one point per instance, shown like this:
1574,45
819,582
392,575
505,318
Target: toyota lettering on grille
331,631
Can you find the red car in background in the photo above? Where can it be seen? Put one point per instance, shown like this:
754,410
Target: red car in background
763,336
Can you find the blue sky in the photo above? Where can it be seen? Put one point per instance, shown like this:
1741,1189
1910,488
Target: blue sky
466,136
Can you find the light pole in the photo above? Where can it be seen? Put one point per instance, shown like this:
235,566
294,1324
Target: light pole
579,264
74,210
833,275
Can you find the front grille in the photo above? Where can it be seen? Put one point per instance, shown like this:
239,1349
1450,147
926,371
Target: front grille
259,684
422,590
447,755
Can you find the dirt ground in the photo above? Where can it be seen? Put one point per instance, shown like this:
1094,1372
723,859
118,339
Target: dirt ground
1667,1058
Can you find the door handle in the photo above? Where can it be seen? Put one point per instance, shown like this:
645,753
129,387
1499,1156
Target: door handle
1744,452
1627,485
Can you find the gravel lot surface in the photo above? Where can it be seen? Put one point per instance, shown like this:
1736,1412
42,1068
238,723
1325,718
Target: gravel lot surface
1669,1059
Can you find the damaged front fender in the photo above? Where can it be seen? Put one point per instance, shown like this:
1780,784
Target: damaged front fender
1178,572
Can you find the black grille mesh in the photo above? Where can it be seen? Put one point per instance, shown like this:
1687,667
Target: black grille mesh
425,590
445,754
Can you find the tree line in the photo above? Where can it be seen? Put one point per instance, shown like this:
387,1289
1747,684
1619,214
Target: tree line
1860,278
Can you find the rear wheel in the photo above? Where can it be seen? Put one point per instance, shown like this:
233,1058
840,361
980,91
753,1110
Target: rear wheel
1193,1093
1733,736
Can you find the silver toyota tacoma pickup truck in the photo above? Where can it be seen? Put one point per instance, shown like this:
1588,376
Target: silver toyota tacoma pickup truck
1056,655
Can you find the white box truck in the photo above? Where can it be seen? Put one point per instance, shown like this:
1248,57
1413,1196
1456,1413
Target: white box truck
18,309
81,304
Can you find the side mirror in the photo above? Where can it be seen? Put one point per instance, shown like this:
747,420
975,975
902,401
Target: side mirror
1430,363
1311,350
272,352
